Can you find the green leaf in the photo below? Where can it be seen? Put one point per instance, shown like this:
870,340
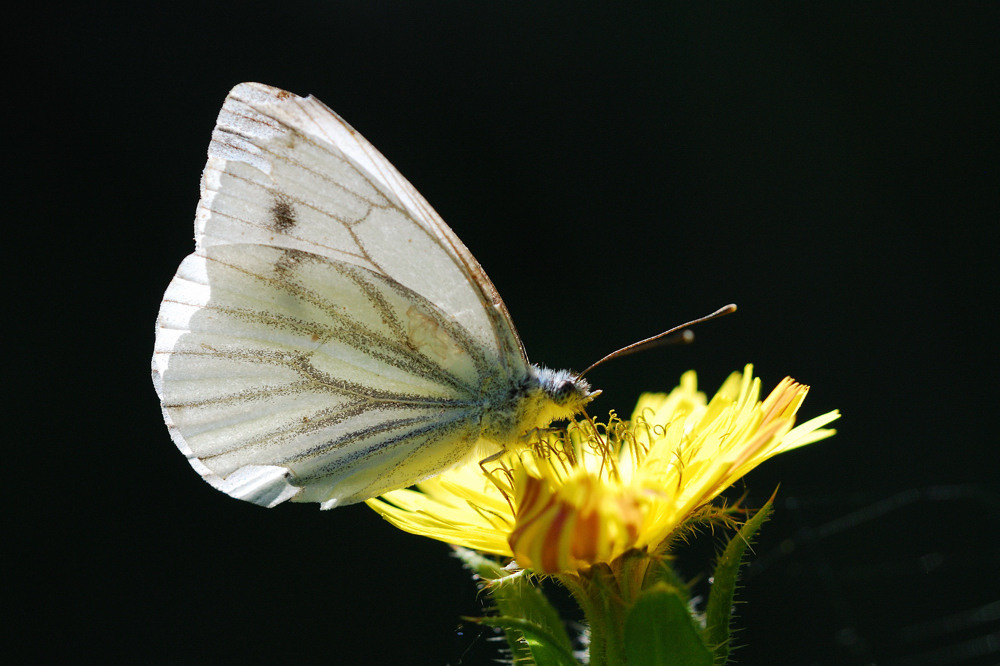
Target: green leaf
534,630
659,631
546,649
720,598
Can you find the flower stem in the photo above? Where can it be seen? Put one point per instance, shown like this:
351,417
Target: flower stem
598,593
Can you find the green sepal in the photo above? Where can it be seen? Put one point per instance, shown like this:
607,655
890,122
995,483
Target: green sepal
534,631
660,631
720,598
659,570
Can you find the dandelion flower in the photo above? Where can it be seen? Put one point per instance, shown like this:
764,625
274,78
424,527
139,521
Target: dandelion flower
590,493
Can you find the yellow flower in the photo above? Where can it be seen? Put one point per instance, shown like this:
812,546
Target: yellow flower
582,496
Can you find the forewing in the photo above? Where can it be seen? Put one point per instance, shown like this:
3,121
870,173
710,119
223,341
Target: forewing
289,172
288,375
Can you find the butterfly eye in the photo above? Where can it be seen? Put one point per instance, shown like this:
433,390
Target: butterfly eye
564,390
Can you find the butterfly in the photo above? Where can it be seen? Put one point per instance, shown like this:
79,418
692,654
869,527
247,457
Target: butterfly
331,338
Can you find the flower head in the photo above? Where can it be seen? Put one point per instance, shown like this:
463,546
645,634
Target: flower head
591,492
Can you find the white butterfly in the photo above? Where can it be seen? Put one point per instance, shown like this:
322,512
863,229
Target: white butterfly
331,339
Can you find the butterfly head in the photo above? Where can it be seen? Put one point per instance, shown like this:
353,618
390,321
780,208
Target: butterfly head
566,394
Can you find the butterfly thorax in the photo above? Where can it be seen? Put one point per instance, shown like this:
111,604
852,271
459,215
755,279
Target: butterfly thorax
539,398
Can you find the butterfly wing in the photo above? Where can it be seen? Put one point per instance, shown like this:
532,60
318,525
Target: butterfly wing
331,337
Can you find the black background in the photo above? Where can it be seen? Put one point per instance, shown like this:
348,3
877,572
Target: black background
617,169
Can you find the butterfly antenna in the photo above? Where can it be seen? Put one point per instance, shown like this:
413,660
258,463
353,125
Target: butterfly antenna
648,342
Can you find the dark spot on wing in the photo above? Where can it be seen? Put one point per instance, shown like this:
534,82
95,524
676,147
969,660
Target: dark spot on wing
282,215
